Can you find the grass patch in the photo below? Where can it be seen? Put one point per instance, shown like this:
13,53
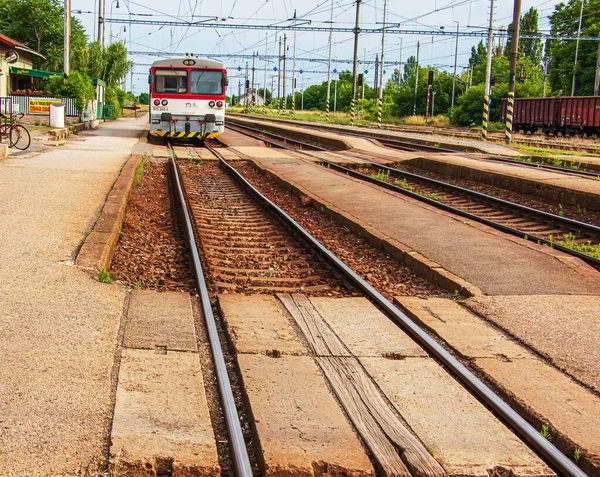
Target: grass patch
139,171
404,184
545,433
568,241
381,175
104,276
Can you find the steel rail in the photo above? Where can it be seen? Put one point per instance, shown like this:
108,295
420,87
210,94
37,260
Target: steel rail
232,419
570,223
555,457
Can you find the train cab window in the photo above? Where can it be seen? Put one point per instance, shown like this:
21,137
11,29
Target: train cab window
206,82
170,81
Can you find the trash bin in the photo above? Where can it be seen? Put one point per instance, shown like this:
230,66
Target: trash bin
57,115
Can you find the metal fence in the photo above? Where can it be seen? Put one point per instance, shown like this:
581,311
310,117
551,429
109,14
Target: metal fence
23,104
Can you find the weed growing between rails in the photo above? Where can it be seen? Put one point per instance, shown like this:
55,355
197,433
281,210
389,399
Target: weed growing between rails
569,240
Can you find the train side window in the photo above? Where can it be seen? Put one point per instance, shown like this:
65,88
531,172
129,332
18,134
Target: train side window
206,82
170,81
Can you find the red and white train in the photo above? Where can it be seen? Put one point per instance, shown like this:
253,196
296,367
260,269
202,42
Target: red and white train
187,98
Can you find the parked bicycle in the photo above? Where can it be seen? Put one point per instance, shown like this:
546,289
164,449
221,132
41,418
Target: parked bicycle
18,136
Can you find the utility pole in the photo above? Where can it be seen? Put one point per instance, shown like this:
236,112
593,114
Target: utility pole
239,91
400,63
455,56
577,52
100,21
67,45
335,95
514,53
294,75
488,73
265,75
279,81
253,70
103,22
597,81
246,81
355,63
416,79
375,80
284,72
380,106
272,90
329,64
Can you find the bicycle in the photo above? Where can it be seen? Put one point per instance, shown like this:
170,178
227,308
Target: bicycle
17,134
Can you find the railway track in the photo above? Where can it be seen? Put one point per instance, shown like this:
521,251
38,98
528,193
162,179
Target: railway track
561,233
226,222
417,146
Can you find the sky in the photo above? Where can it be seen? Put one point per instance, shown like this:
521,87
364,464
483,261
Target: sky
427,15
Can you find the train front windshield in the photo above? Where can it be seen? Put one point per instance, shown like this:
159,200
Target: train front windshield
171,81
206,82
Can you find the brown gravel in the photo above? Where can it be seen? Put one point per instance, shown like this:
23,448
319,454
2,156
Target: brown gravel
151,251
380,269
506,194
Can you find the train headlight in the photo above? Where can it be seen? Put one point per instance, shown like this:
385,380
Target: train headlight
164,102
219,104
211,104
157,102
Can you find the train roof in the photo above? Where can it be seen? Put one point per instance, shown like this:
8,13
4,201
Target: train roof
199,63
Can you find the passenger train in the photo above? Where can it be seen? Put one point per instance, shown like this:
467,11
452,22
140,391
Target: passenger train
187,98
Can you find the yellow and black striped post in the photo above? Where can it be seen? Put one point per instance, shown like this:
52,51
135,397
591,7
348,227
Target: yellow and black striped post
352,112
486,115
379,112
293,107
327,110
509,116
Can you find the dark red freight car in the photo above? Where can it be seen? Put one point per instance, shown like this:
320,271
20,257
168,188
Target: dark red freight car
531,114
569,115
580,115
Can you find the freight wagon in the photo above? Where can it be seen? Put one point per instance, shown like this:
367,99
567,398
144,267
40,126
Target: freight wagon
568,115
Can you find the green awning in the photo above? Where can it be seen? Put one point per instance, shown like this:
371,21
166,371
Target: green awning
34,73
98,81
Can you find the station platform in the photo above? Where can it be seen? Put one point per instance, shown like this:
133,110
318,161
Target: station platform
442,141
58,324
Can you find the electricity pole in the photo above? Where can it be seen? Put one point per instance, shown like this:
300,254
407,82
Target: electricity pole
455,56
265,75
355,63
284,71
380,106
100,21
416,79
514,53
597,81
253,69
488,74
279,81
294,76
329,65
577,52
67,45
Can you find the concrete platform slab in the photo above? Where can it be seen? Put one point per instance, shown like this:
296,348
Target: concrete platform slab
301,430
442,238
545,393
258,324
160,320
460,433
570,410
563,328
232,138
161,423
364,329
263,152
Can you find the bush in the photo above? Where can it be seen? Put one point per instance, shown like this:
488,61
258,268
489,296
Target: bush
77,86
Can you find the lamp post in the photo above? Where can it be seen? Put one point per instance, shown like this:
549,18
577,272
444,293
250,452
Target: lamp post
111,14
455,56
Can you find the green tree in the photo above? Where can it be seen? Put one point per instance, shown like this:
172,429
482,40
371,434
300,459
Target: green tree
77,86
144,98
561,53
39,25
